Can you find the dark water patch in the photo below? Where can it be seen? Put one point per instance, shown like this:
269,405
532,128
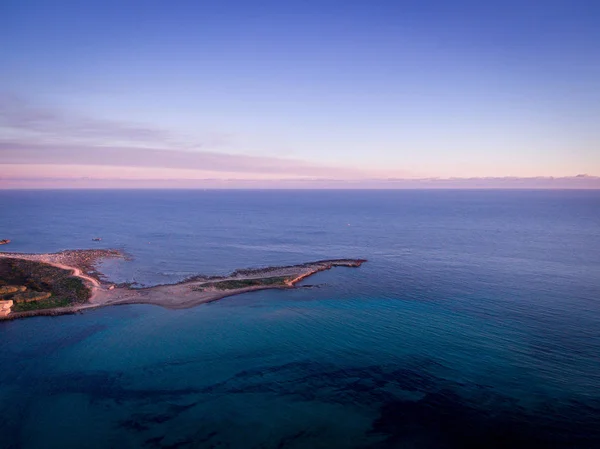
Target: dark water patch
291,439
316,382
158,443
104,386
447,414
43,346
313,381
145,421
444,420
198,440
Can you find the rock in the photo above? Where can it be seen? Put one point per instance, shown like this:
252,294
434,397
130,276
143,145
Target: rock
7,289
4,242
5,307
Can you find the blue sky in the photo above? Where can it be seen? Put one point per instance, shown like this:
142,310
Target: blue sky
297,89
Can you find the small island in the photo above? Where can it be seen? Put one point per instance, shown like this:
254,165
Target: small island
69,282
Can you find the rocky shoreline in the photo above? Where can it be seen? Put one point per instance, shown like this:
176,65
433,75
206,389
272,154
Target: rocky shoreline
188,293
82,259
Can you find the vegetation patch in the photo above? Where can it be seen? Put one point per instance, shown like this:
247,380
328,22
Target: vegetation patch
37,285
30,296
234,284
49,303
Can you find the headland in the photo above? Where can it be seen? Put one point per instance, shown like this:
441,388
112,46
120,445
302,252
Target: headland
69,282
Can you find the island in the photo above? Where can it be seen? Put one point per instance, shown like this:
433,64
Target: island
69,282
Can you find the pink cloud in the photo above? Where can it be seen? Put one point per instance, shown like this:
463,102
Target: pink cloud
53,154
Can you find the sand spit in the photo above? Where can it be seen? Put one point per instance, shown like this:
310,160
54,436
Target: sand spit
189,293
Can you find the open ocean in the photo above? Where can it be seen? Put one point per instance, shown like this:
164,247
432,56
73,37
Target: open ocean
475,323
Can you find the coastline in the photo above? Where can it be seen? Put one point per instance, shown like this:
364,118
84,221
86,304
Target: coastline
188,293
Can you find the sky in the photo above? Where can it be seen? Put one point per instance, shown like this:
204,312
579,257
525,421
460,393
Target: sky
299,93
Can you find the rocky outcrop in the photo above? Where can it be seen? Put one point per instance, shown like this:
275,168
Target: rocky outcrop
8,289
5,307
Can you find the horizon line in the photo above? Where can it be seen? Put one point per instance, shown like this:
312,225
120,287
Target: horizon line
578,182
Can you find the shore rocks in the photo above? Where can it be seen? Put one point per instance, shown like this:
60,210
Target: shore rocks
5,307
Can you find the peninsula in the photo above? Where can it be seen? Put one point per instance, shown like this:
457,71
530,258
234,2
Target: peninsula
69,281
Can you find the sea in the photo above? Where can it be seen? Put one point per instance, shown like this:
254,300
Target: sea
475,322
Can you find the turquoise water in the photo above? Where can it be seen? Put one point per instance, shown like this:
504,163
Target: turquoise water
475,323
